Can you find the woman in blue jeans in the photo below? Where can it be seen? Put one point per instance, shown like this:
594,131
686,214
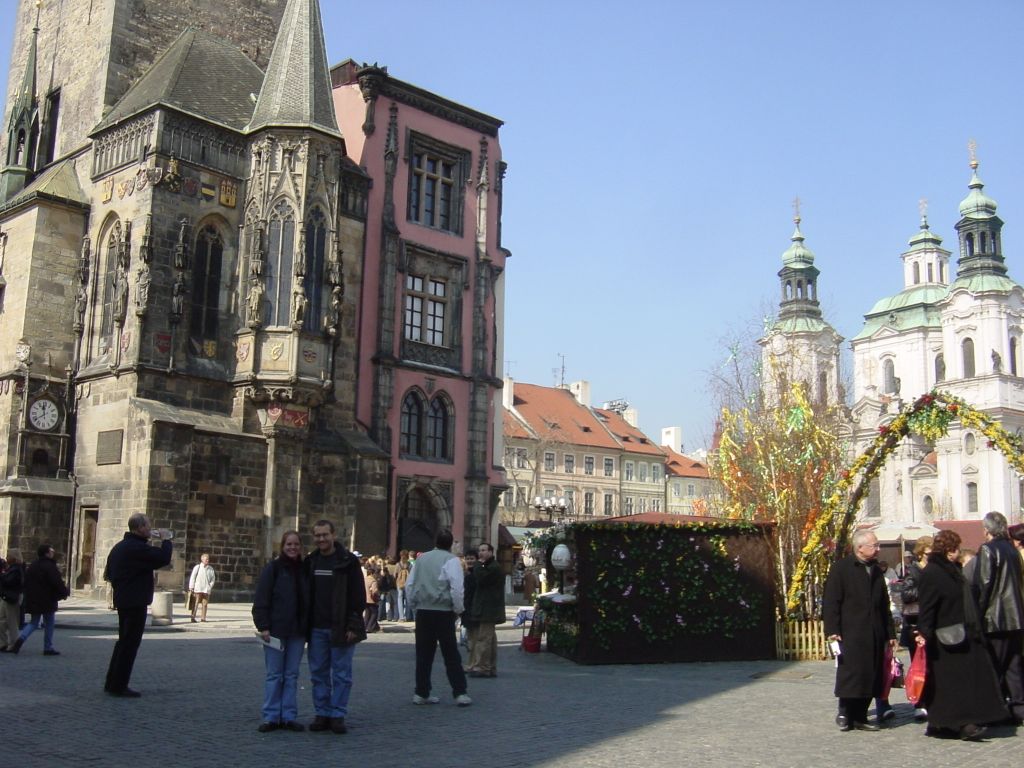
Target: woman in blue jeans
280,611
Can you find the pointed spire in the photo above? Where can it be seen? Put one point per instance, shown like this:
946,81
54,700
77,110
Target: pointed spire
296,91
797,254
977,205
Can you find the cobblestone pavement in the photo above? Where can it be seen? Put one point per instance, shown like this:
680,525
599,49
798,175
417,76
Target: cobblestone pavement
202,684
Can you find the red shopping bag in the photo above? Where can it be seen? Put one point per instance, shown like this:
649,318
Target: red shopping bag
916,676
887,667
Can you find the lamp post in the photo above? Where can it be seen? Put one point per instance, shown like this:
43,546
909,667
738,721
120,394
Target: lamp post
550,506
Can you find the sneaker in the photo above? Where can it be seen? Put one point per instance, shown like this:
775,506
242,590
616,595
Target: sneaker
920,714
463,700
425,699
320,723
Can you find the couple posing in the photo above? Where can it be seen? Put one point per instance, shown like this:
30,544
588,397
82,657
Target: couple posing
319,600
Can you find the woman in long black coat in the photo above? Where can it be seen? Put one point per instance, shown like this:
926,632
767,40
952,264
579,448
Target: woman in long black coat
961,688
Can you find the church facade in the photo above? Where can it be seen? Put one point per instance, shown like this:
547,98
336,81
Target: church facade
186,244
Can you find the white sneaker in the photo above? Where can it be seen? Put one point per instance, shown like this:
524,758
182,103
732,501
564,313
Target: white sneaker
425,699
463,700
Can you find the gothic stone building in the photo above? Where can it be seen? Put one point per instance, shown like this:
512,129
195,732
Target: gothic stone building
183,244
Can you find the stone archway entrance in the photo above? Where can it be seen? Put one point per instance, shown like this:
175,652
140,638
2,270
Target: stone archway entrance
929,416
423,510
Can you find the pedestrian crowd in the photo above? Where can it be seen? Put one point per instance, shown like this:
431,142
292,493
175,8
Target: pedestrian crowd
964,611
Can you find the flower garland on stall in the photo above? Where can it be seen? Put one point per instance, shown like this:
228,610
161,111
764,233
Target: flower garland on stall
929,416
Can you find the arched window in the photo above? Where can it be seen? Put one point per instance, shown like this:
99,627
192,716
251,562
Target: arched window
108,277
940,367
917,273
967,349
942,272
799,289
970,243
888,376
1013,355
316,247
788,292
411,426
928,506
982,242
969,443
437,429
972,497
278,269
206,275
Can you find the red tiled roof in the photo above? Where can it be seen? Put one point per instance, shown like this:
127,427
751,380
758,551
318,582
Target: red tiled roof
513,427
631,438
554,414
679,465
971,532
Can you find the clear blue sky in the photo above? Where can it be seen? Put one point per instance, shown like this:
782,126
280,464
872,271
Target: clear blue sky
655,148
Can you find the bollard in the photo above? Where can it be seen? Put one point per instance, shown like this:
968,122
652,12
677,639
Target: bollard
162,610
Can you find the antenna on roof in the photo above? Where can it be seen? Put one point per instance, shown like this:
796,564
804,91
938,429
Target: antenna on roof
561,379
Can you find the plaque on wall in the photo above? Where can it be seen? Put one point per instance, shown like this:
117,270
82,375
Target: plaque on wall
108,447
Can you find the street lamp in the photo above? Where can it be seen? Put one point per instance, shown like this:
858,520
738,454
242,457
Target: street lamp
550,506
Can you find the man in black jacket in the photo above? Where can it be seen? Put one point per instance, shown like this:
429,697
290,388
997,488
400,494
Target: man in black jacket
856,614
43,589
997,589
130,567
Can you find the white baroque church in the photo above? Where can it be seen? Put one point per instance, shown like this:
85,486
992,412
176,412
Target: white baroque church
960,333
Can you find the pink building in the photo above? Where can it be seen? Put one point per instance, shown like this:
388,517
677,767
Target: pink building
431,307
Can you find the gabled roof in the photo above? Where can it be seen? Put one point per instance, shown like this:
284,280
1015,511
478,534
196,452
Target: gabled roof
199,74
58,183
630,438
554,414
513,427
296,92
679,465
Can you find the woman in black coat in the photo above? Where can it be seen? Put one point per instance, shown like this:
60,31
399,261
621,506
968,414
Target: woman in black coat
280,610
961,688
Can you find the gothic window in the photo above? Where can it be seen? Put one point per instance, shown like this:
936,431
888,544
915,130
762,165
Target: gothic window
888,376
316,247
108,276
426,307
412,425
972,498
1013,355
206,276
438,429
52,125
278,267
967,349
436,176
917,273
426,428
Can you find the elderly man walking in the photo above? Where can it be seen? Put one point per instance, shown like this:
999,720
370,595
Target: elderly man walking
857,617
435,592
997,589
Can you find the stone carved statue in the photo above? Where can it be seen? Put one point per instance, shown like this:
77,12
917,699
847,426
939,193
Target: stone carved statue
997,362
298,305
255,303
142,296
81,302
177,298
120,296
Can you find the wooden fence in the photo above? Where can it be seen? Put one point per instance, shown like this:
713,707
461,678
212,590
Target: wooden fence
800,640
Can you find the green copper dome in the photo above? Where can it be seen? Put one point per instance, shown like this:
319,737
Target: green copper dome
977,205
798,254
924,238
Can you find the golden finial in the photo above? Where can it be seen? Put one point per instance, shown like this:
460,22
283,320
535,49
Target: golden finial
972,151
796,210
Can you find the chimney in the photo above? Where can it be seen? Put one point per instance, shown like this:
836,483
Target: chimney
581,391
631,416
672,437
508,393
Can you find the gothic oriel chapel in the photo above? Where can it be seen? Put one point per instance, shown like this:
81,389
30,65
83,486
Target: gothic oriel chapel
183,260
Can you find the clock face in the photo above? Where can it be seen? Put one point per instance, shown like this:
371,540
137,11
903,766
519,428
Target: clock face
43,414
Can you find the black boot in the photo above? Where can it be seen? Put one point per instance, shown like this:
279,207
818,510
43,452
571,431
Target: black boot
17,645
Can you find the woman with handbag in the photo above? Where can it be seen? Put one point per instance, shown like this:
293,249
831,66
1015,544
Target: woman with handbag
961,689
280,610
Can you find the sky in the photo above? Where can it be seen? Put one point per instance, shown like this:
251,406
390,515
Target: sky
655,149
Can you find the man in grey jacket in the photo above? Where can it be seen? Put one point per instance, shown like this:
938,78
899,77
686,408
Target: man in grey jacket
435,593
997,589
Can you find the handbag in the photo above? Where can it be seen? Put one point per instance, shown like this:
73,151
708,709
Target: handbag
916,675
951,636
896,674
190,601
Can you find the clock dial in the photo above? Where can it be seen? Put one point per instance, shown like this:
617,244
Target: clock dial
43,414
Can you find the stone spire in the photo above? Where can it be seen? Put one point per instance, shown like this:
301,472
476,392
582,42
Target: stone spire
296,91
23,129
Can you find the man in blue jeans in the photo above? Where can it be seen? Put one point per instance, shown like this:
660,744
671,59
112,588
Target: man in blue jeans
337,602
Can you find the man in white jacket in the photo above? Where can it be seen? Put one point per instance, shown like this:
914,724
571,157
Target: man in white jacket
200,584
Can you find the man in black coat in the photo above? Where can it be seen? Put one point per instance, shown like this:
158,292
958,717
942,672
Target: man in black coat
997,589
130,567
43,589
857,616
